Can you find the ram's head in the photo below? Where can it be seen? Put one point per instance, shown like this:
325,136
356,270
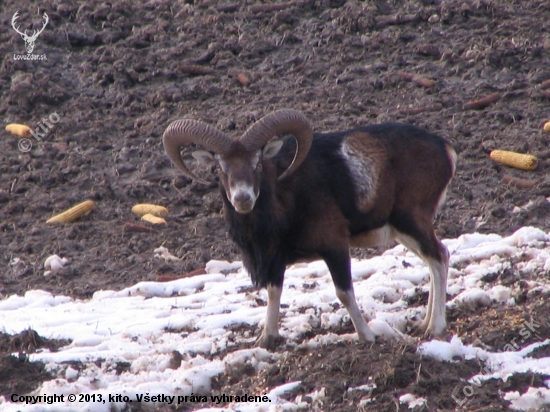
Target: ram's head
239,160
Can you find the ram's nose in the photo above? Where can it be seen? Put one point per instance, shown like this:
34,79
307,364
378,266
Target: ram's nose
243,202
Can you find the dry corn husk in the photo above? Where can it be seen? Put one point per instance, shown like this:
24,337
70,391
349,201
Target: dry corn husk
518,160
153,219
21,130
146,208
73,213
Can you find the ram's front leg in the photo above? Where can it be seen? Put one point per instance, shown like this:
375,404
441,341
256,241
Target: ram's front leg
270,338
339,265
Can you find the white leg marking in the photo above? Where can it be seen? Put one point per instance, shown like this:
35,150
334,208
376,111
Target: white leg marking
434,321
270,334
348,300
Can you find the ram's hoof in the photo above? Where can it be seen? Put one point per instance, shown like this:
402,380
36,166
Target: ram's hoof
367,336
427,329
269,342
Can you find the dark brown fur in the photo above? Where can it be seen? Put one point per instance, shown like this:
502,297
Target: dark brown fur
317,211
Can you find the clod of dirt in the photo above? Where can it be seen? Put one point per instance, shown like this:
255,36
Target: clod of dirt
17,373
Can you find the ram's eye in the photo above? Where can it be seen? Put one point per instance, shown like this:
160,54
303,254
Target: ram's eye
256,160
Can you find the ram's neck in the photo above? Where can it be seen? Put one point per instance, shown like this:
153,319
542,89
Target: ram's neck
260,233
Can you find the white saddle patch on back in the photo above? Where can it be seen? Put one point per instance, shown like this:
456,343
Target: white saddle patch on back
365,178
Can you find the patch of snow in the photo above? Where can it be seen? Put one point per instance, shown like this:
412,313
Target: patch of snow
145,324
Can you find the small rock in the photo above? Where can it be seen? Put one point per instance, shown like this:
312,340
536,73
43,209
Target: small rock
55,264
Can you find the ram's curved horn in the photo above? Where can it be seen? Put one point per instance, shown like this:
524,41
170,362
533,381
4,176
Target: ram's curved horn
184,132
284,121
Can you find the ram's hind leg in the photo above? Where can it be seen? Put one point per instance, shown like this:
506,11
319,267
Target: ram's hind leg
435,320
338,263
421,240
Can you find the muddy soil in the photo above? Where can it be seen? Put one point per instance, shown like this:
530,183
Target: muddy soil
118,72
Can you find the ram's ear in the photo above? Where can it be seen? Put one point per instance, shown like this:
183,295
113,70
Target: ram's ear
272,148
204,158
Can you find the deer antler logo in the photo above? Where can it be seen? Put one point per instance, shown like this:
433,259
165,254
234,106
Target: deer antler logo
29,40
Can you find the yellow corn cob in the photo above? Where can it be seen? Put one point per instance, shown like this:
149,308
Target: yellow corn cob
73,213
145,208
153,219
518,160
547,127
19,129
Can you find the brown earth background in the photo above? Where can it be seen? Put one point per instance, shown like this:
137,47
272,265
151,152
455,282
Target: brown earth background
118,72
